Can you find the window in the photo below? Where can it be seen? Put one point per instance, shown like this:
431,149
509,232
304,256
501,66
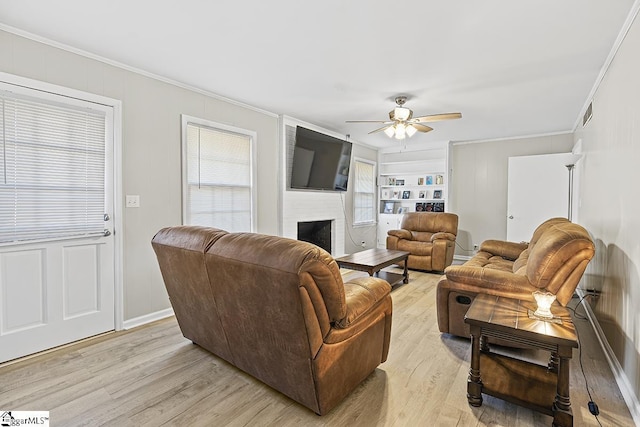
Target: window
217,175
364,192
52,166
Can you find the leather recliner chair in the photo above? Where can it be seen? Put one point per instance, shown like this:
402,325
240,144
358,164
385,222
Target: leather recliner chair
429,237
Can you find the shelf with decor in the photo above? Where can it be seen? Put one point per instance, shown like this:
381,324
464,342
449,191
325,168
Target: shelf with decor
411,191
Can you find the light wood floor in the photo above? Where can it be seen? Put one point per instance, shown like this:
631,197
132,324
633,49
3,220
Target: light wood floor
152,376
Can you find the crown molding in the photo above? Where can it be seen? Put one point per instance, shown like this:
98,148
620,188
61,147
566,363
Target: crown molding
89,55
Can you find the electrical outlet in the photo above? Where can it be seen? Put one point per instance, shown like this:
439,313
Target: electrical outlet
363,244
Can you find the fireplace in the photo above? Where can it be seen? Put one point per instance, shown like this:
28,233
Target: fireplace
316,232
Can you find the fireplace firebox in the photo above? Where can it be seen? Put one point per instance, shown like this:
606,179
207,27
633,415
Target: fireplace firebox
316,232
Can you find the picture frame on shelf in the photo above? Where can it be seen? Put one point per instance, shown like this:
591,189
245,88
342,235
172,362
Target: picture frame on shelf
406,194
391,180
438,207
399,181
437,194
422,194
428,207
421,181
419,207
429,179
386,193
439,180
396,194
388,207
402,210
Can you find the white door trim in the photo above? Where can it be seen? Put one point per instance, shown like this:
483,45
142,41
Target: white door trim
117,173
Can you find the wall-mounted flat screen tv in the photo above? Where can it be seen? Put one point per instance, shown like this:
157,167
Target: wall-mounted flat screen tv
320,162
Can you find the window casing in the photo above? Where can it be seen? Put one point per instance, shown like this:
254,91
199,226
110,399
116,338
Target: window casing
364,193
218,184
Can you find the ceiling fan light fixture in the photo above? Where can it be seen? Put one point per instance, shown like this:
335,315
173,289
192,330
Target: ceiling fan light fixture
390,131
401,131
411,130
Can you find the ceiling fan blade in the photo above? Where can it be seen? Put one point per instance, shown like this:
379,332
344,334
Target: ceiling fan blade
436,117
421,128
367,121
380,129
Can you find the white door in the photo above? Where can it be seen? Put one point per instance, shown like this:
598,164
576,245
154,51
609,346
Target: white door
538,189
58,287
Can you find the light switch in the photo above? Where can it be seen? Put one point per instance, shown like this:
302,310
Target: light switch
133,201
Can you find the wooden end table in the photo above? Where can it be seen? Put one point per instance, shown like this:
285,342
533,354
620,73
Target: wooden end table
541,388
374,260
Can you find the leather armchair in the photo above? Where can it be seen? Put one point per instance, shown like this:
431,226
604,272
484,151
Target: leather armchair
429,237
554,260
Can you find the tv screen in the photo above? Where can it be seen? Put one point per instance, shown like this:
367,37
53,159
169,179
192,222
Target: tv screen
320,162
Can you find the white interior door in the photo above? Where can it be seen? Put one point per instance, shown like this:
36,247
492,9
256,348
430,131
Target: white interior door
58,286
538,189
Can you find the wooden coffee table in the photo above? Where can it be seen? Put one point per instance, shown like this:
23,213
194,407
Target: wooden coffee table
374,260
541,388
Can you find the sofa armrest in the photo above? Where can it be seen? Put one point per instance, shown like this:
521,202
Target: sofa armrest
443,235
401,234
507,250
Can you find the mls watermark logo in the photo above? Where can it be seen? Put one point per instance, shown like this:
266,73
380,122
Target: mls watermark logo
24,418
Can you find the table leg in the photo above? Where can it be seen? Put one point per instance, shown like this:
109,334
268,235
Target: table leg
562,414
406,271
474,383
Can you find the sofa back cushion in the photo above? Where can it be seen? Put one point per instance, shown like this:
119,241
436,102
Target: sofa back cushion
431,222
539,231
257,282
558,259
180,252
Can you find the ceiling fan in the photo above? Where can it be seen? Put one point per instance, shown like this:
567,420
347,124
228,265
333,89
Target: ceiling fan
401,122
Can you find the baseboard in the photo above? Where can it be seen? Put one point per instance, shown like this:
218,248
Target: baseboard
462,257
147,318
622,380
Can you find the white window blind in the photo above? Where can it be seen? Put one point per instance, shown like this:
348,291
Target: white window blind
219,179
364,193
52,173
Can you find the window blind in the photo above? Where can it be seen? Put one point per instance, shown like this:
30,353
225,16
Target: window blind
364,193
218,188
52,169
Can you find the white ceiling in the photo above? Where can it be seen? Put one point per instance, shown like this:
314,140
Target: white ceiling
513,68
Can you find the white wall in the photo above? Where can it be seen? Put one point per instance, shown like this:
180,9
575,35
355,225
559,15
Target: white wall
478,187
151,150
609,206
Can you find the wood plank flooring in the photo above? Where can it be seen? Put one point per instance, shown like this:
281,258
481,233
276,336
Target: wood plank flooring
152,376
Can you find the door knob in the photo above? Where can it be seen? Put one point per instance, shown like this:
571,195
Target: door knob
510,216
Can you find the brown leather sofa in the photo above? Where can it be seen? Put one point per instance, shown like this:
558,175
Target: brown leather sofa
554,260
430,238
277,309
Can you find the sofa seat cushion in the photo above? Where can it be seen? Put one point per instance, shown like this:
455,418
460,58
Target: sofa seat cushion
415,247
421,236
361,294
487,260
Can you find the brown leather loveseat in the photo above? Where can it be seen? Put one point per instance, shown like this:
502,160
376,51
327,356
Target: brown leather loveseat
429,237
277,309
554,260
